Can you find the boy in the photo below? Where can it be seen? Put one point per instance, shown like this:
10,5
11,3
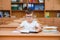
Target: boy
29,24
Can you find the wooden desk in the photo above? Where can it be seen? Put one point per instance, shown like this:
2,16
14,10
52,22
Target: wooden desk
9,35
9,27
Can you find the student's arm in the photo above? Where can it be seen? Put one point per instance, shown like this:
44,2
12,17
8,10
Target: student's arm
38,27
20,27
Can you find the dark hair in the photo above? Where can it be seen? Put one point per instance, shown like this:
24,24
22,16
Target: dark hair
28,10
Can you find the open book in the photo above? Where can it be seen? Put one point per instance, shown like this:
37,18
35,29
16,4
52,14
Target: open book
28,31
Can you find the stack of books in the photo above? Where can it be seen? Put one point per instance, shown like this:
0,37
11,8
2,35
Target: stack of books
50,29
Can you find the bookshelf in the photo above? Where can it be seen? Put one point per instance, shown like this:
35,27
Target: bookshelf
5,8
53,8
42,8
53,13
36,5
4,13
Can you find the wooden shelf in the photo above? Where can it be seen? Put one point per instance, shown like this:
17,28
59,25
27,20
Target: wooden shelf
34,10
18,10
52,10
38,10
35,3
4,10
27,3
17,3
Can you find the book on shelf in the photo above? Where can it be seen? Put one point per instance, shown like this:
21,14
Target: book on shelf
41,1
13,0
1,14
14,7
21,0
16,0
24,6
39,7
47,15
31,1
17,7
20,7
31,6
36,7
6,14
58,15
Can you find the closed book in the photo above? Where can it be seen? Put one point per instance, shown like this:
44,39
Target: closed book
1,14
41,1
31,1
39,7
18,0
24,5
15,7
20,7
6,14
31,6
21,0
58,15
47,15
36,7
14,0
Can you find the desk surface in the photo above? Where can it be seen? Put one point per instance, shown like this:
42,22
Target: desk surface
9,25
11,33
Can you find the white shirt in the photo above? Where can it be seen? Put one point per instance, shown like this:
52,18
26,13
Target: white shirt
29,26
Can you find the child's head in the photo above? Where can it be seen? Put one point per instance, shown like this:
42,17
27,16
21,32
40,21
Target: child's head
29,15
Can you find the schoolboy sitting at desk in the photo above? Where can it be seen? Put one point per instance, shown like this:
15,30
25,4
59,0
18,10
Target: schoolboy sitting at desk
29,23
